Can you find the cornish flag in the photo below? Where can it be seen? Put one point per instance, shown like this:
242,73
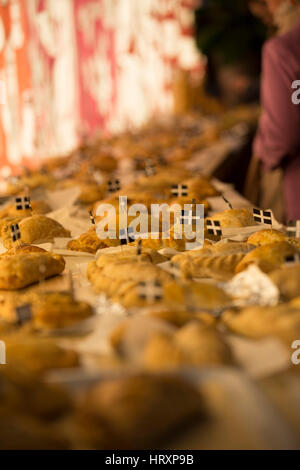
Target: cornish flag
294,229
293,259
15,232
263,217
114,186
188,217
23,203
150,291
214,227
24,314
126,236
179,190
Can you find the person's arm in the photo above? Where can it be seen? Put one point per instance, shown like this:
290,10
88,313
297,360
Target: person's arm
278,135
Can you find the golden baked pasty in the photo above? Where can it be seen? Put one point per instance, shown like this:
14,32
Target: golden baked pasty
32,181
24,248
21,270
88,242
268,257
282,321
128,253
50,310
37,207
35,229
30,412
138,412
192,295
217,261
217,267
21,432
38,355
103,162
264,237
287,279
192,345
234,218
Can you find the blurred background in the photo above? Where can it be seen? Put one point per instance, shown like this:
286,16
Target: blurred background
74,69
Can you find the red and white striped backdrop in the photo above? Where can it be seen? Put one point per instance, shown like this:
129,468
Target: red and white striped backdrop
72,68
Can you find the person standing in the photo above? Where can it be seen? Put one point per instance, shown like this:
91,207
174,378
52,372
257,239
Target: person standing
277,142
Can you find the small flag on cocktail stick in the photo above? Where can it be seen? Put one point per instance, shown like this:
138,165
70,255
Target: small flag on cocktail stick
23,314
113,186
189,217
175,271
92,218
263,217
126,236
15,232
23,203
179,190
293,230
214,227
150,291
227,202
292,259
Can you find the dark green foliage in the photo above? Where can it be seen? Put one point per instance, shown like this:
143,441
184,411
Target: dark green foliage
227,30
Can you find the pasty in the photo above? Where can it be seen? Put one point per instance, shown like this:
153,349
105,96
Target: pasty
38,355
217,267
287,279
87,242
268,257
50,310
35,229
37,207
193,345
21,270
264,237
234,218
120,408
282,321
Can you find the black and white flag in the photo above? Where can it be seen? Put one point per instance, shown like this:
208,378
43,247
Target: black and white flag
23,203
126,236
189,217
293,259
293,230
114,186
179,190
15,232
24,314
150,291
263,217
214,227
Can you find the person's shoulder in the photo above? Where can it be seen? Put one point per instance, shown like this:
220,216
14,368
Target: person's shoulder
285,45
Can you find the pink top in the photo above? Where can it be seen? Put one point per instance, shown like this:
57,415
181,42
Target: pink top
278,138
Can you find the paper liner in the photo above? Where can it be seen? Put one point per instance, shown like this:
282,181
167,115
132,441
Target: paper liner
68,196
260,358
